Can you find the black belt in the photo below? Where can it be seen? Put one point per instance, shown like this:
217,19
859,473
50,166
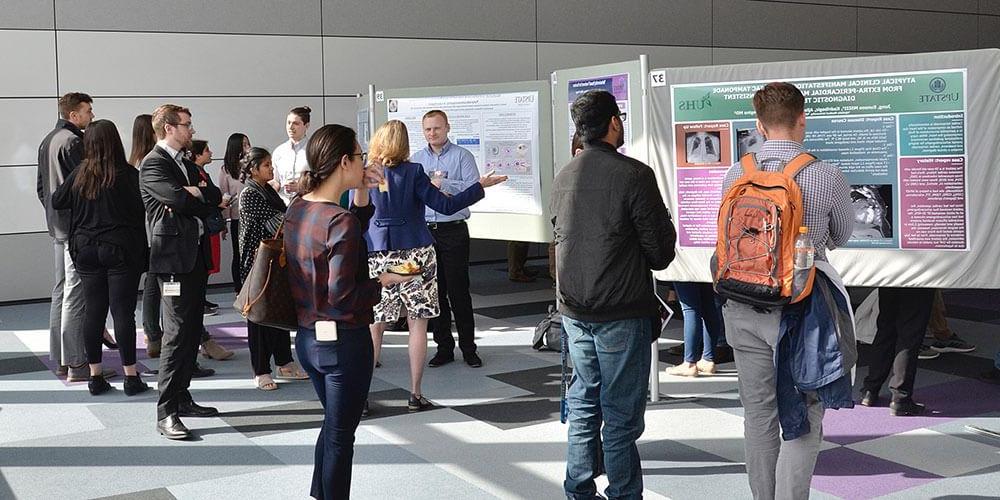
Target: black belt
434,225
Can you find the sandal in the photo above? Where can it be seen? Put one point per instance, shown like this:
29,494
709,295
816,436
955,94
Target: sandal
291,371
265,383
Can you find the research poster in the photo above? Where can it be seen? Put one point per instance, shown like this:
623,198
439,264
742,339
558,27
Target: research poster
617,85
502,132
901,140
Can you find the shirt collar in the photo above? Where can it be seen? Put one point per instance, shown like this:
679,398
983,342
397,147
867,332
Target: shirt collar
782,146
68,125
599,144
175,154
300,146
444,149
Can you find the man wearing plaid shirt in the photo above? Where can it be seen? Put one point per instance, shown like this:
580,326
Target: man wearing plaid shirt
783,469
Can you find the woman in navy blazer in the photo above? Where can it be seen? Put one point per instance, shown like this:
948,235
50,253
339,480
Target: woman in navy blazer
398,234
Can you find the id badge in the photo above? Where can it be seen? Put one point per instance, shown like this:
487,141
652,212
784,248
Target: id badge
326,331
171,288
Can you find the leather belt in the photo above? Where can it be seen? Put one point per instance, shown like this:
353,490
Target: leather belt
434,225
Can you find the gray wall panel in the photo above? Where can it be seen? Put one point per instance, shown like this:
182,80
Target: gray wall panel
989,32
649,22
29,63
740,56
27,268
31,14
454,19
353,63
555,56
298,17
991,7
881,30
773,25
966,6
29,121
819,2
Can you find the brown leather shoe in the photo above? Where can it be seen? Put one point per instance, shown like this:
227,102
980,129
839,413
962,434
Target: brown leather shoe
152,348
212,350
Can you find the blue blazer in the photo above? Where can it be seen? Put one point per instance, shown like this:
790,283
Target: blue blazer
398,223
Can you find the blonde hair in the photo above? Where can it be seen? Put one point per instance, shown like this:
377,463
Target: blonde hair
390,145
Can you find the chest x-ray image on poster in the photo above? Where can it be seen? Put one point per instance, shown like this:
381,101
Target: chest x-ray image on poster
872,211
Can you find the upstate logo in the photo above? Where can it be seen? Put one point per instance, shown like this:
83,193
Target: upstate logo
937,86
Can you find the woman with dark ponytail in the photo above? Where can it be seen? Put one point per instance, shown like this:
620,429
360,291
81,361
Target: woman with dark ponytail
334,296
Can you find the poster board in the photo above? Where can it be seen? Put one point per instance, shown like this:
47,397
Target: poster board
917,136
625,80
507,127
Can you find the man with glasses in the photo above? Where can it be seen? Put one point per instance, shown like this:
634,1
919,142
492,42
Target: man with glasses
611,229
176,200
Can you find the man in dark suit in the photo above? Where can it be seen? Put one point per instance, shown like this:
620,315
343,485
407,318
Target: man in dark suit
176,200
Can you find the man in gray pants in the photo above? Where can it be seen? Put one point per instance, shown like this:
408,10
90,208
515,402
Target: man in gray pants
59,153
783,469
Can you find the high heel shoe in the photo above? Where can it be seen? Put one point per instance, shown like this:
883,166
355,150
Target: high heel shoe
134,385
98,385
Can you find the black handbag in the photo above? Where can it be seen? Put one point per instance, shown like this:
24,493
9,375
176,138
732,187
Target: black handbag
215,223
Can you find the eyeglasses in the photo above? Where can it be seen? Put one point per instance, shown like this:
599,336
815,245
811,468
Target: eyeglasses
622,116
364,157
188,125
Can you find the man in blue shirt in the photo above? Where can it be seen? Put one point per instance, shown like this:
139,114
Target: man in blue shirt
452,169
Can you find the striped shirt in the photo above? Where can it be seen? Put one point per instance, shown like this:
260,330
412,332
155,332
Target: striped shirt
825,194
328,263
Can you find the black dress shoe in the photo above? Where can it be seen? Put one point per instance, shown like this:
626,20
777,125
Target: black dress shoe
192,409
98,385
441,359
473,360
905,408
869,398
171,427
200,372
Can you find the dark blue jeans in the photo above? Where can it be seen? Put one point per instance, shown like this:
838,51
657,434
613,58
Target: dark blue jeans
341,373
610,381
702,320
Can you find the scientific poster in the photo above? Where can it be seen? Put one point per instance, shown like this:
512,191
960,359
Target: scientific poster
502,132
899,138
617,85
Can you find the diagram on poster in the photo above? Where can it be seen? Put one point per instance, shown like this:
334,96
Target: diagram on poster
502,132
617,85
899,138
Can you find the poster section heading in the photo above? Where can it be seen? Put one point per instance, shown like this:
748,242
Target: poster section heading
501,132
899,138
616,85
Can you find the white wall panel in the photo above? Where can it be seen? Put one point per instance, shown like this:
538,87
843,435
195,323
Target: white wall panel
352,63
25,123
29,63
129,64
27,269
262,119
555,56
19,203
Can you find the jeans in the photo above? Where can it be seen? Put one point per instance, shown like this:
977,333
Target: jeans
610,381
341,373
108,282
702,320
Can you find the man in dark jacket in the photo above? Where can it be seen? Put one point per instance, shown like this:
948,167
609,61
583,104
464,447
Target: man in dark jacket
177,200
59,154
611,229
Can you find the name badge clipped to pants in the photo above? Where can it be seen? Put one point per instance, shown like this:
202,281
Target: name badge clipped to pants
171,288
326,331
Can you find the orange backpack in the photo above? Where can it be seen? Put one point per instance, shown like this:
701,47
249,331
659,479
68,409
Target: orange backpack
759,219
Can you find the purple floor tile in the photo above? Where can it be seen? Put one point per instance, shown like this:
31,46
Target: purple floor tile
947,402
850,474
110,359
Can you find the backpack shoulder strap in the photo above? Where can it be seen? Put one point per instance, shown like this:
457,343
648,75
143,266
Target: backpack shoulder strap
749,163
795,166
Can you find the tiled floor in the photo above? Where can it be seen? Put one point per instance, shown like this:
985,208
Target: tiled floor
495,434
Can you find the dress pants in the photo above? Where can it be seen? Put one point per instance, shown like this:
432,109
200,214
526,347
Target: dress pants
266,342
151,308
183,323
234,240
451,243
66,344
517,257
902,320
776,469
341,374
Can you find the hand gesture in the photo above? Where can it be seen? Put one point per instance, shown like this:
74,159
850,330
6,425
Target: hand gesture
389,279
491,180
374,174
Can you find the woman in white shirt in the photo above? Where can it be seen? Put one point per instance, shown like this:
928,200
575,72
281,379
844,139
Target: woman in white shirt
289,158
